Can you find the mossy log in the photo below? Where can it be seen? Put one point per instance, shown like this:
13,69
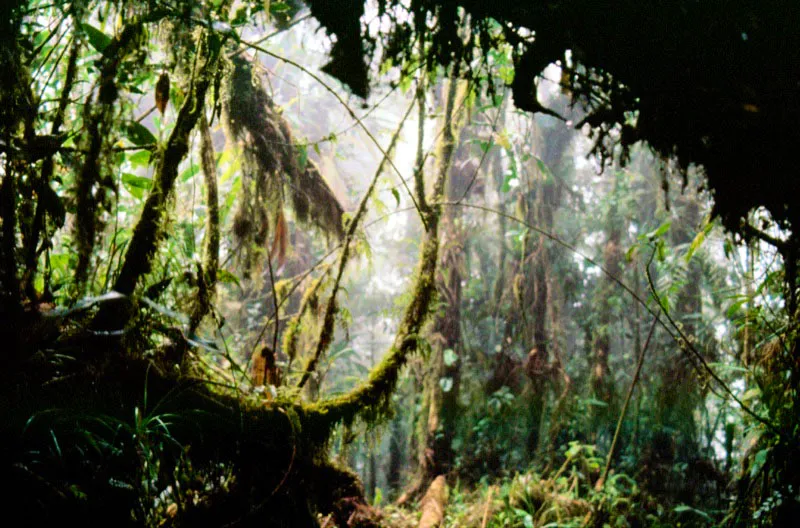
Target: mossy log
134,446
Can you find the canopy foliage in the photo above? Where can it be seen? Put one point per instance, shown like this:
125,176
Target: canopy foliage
714,83
180,263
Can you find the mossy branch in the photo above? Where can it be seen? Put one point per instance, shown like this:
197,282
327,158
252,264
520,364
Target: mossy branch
212,237
371,398
326,332
207,278
145,235
292,335
98,118
419,163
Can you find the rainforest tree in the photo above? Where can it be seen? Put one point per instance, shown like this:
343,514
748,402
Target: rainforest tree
194,207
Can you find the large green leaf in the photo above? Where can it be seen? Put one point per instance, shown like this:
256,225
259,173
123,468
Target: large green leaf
136,185
138,134
698,240
140,159
97,39
189,173
658,232
681,508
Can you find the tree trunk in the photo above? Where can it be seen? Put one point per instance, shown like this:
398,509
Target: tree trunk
538,203
444,380
601,378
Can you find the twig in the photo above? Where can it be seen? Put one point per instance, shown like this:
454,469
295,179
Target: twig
144,115
330,309
270,35
382,380
602,481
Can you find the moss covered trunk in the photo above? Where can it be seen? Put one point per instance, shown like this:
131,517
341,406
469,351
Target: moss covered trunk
538,200
146,233
444,375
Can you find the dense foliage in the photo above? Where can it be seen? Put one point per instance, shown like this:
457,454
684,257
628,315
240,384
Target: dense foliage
503,264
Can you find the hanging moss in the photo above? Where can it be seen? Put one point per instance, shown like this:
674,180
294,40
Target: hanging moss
314,201
276,172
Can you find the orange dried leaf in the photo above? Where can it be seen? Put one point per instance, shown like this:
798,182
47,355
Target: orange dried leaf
280,242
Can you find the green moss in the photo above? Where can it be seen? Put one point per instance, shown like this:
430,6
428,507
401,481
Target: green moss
143,242
207,276
370,400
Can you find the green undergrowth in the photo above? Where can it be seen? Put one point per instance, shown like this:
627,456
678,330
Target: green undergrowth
564,496
126,444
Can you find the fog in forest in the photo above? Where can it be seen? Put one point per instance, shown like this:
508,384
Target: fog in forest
239,291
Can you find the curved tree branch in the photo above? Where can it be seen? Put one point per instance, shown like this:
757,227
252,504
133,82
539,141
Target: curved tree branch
370,399
326,332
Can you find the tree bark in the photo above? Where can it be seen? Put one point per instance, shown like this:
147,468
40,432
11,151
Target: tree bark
539,202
